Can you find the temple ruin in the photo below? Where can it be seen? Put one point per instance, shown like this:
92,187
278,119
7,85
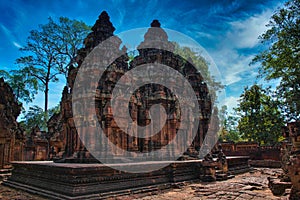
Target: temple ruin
11,135
141,100
83,176
93,178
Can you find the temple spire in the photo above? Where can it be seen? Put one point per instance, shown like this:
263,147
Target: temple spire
155,23
155,37
102,30
104,24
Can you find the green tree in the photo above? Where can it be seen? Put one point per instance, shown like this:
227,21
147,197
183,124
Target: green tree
223,113
228,131
201,64
36,116
24,87
51,50
281,60
260,119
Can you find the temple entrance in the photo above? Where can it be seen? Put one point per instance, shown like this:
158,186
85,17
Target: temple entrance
141,144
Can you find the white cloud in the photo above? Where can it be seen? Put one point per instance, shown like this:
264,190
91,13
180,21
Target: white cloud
10,36
232,59
17,45
244,33
231,65
5,30
228,55
231,102
203,34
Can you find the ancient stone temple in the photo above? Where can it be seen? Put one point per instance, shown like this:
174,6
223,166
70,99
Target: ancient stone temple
140,102
89,179
102,30
11,135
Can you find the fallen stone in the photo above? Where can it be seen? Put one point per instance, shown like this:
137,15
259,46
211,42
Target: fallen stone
251,188
278,187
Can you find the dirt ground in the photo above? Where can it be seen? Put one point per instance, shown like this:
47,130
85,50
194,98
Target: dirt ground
253,185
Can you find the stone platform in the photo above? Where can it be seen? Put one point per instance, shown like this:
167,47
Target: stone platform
238,164
98,181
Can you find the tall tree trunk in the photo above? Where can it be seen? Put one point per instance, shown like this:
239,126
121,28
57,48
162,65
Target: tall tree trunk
46,98
47,80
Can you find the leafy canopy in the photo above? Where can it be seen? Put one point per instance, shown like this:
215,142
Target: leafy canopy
51,50
260,119
202,65
228,131
281,60
36,116
24,87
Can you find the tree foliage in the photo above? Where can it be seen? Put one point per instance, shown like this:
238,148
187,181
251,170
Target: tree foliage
24,87
260,119
36,116
51,50
228,131
202,65
281,60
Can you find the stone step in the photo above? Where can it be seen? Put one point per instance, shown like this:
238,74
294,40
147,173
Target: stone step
221,177
97,181
230,176
4,176
5,171
238,171
140,191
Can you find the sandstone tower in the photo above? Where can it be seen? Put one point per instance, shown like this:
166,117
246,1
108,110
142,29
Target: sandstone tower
140,102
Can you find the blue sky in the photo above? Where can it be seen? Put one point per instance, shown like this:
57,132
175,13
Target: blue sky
228,30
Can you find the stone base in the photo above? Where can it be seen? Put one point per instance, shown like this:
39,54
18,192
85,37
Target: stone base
265,163
4,174
97,181
238,164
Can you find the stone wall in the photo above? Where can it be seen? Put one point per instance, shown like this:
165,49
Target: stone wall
293,165
36,145
57,141
253,150
11,135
